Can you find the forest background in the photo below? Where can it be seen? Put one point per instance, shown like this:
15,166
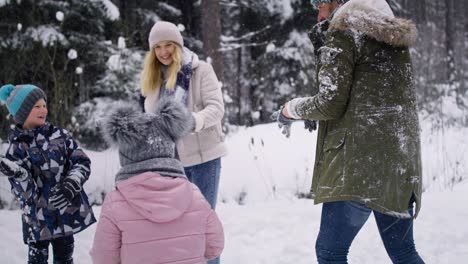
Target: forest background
87,55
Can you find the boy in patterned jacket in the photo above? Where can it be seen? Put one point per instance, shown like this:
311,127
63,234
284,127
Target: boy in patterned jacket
46,169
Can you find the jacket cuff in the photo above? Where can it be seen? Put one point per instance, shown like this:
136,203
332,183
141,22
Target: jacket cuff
199,122
291,107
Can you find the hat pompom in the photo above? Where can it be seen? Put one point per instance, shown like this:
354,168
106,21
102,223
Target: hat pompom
5,91
174,118
122,125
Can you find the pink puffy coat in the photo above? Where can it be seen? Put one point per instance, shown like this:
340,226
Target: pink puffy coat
154,219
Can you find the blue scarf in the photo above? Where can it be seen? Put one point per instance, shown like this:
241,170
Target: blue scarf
182,86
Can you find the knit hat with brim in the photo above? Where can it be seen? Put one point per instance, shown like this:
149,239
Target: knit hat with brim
164,31
20,99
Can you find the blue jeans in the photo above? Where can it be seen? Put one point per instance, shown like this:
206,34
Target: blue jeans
62,247
341,222
206,177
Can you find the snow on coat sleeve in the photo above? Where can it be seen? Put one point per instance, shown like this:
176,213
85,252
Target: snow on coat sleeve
26,188
80,164
107,239
212,99
335,76
214,236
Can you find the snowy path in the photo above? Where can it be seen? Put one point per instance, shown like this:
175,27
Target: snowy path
284,231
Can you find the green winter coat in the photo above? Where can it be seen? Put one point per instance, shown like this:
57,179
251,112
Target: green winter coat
368,147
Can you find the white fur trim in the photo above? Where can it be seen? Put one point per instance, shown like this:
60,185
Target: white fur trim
375,19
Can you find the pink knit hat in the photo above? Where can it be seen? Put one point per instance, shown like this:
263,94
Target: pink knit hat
164,31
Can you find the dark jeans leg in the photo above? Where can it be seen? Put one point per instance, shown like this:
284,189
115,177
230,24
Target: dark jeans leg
63,250
397,236
206,177
38,252
339,225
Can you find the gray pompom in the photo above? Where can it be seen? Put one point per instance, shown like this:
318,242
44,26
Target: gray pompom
123,125
174,118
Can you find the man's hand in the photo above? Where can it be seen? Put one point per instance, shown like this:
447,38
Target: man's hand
310,125
284,123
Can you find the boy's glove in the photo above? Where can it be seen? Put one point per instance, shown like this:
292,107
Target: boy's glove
10,169
310,125
284,123
61,196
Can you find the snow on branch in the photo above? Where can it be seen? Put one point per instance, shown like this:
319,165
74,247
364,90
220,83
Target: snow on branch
112,11
233,46
170,9
47,35
246,36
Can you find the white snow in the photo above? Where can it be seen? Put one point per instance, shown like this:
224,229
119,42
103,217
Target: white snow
59,16
79,70
263,172
169,9
72,54
114,62
19,26
47,35
4,2
270,47
121,43
181,27
112,11
280,7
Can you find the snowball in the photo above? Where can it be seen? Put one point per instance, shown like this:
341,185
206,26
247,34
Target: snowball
19,26
72,54
270,47
79,70
181,27
59,16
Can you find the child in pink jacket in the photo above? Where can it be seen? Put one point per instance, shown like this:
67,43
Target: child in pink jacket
155,215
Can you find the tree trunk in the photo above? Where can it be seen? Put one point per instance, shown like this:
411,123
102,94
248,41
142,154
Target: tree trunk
450,42
211,33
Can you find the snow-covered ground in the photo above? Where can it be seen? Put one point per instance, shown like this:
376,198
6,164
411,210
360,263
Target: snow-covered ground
263,220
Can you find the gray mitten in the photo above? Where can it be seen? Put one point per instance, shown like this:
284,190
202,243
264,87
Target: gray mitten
284,123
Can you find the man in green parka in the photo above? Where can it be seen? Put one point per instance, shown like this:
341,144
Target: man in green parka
368,148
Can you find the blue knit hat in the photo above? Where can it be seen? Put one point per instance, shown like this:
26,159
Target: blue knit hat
317,2
20,99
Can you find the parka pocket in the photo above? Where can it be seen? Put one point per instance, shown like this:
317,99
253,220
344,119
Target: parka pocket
334,162
334,141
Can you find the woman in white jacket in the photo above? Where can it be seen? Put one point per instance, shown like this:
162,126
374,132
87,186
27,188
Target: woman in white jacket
172,70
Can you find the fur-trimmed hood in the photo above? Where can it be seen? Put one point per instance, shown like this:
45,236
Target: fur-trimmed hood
375,19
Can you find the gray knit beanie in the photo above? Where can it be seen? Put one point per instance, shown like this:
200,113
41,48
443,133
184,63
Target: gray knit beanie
20,99
146,141
164,31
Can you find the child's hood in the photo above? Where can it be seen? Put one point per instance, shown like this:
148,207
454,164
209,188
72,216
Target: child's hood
159,199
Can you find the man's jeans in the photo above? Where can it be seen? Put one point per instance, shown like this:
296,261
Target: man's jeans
206,177
341,222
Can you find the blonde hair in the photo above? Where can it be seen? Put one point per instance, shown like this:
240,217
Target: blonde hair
151,77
